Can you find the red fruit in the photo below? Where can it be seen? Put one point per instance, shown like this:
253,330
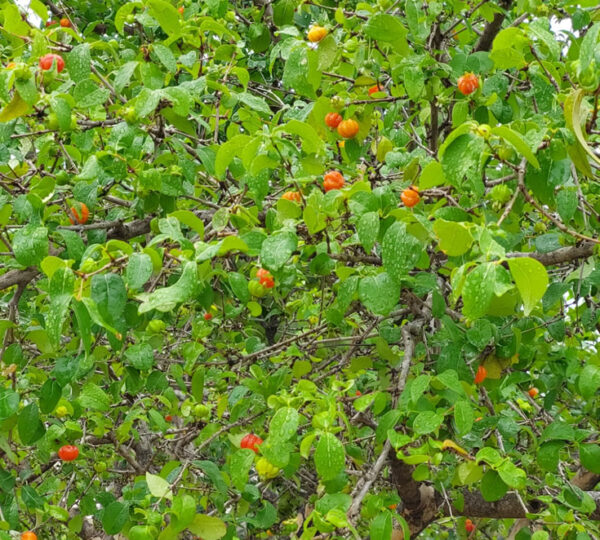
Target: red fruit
375,89
348,128
469,527
533,392
68,452
81,217
47,60
410,197
333,119
480,375
251,441
50,23
333,180
358,393
265,278
208,316
181,10
65,23
169,417
468,83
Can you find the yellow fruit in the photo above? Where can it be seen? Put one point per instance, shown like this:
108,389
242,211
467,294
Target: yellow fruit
265,469
316,33
61,411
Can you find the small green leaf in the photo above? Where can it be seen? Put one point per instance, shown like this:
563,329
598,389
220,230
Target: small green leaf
158,486
329,457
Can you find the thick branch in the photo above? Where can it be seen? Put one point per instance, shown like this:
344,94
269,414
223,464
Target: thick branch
559,256
492,29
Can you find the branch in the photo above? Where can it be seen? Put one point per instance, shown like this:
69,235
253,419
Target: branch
492,29
559,256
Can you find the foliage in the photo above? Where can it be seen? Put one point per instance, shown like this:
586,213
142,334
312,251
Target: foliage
143,335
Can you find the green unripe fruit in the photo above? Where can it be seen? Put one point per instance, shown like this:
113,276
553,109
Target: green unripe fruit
128,114
154,518
540,227
221,385
156,326
337,102
501,193
505,153
100,466
130,19
256,289
22,72
351,45
483,130
201,411
52,121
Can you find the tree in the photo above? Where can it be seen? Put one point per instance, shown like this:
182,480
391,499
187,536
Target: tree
412,342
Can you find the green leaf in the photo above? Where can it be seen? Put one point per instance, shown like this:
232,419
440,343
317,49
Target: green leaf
588,47
167,298
575,118
61,293
463,416
548,454
455,238
589,381
329,457
183,511
239,466
400,251
531,279
478,291
78,62
93,397
590,457
427,422
15,109
432,175
277,249
227,151
284,424
512,476
368,230
558,430
114,517
311,142
166,15
381,526
30,245
29,425
166,57
296,73
379,293
389,29
9,403
140,356
518,142
158,486
123,12
139,270
492,487
208,527
109,293
50,393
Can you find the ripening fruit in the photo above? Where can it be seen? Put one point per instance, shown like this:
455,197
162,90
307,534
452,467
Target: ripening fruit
11,65
29,536
169,417
82,216
316,33
410,197
469,527
533,392
333,119
181,10
65,23
48,60
251,441
292,196
480,375
50,23
208,316
265,469
68,452
265,278
333,180
375,89
348,128
256,289
468,83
